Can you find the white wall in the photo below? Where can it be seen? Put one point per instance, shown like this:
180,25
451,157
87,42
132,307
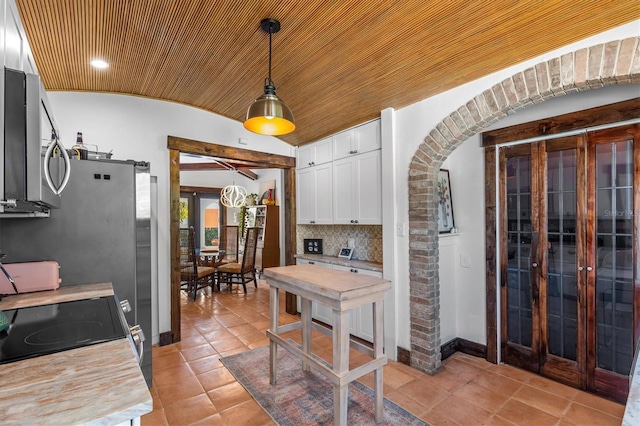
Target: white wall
413,124
137,128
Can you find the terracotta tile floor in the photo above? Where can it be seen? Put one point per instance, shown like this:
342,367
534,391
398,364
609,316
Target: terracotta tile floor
192,387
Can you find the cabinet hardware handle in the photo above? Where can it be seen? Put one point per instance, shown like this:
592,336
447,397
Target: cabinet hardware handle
312,263
312,221
355,151
580,268
355,221
589,268
355,271
534,264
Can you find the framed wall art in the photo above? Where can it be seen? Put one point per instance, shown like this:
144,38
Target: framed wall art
445,204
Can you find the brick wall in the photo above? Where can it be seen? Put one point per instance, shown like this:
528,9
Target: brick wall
616,62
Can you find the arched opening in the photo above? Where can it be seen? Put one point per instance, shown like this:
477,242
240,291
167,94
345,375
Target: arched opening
615,62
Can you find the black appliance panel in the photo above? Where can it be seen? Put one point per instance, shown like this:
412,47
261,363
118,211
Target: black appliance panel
41,330
313,245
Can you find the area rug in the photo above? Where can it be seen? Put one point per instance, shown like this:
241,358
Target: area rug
306,398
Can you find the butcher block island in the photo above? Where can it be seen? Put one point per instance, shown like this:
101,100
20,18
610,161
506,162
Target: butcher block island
99,384
341,291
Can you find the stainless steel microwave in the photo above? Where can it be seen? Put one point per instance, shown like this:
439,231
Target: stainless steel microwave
28,124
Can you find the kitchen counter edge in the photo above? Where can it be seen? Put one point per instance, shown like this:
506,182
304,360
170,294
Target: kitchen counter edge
103,384
349,263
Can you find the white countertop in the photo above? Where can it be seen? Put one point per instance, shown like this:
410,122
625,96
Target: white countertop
98,385
349,263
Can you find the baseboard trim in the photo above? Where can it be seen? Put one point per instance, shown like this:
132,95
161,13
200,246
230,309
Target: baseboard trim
446,350
404,356
166,338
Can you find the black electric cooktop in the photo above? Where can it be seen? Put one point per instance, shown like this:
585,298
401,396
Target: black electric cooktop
45,329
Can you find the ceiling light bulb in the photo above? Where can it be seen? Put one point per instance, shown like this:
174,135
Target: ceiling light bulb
99,63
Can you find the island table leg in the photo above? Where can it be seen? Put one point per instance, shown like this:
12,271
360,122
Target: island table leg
340,365
305,313
274,305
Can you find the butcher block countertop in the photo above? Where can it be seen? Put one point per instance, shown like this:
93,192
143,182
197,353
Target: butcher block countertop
100,384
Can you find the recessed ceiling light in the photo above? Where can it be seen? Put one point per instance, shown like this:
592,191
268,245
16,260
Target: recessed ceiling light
99,63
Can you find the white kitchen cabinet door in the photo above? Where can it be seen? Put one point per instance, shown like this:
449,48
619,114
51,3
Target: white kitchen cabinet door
304,157
368,188
343,144
314,154
344,187
314,195
367,137
358,140
323,152
357,189
324,194
305,195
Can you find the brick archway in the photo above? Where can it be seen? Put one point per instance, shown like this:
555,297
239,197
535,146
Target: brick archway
615,62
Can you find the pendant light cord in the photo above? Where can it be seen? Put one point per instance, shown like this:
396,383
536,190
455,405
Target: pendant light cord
270,33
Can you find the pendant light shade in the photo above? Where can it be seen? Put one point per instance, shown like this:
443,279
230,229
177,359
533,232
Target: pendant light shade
233,196
268,114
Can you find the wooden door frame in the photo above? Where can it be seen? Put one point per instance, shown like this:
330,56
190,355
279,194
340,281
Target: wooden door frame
177,145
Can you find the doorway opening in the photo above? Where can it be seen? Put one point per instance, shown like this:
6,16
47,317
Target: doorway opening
248,158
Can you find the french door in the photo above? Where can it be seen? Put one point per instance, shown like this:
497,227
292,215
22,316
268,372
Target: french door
570,289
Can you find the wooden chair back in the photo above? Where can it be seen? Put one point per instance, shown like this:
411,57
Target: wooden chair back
250,248
229,243
188,258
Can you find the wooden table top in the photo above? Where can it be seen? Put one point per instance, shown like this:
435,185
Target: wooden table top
326,283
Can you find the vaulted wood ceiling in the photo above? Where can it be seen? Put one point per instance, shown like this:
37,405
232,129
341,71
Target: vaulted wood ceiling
335,63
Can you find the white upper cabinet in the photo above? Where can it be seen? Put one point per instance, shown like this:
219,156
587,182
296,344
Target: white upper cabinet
358,140
339,179
314,154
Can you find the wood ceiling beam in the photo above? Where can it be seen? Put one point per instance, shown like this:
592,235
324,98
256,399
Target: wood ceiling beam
248,173
189,146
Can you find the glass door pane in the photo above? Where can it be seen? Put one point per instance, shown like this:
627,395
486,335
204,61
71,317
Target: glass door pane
614,256
518,246
209,226
562,280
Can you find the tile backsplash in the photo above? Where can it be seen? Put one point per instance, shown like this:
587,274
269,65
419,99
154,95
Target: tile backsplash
368,239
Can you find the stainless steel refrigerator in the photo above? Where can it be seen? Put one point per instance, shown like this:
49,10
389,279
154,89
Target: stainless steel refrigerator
100,233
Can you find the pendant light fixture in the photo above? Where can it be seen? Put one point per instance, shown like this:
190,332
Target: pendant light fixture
233,195
268,114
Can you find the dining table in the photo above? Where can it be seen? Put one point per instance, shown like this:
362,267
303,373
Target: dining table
209,255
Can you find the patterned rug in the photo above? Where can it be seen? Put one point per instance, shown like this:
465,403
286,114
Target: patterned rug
306,398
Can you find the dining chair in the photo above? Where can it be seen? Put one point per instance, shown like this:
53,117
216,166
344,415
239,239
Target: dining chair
245,271
193,277
228,245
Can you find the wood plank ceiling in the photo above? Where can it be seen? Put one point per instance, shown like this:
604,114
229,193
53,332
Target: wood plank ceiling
336,63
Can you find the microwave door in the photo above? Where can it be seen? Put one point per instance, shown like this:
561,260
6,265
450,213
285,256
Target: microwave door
37,118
